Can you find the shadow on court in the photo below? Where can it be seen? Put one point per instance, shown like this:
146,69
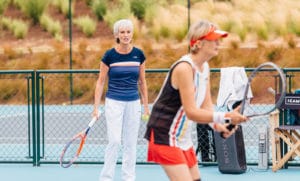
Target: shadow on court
15,172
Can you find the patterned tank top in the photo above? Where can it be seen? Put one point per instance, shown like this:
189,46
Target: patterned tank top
168,120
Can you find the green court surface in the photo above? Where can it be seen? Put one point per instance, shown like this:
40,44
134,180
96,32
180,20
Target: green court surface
22,172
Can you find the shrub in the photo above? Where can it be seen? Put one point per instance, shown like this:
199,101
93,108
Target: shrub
34,9
63,6
88,2
99,8
50,25
150,14
165,31
262,32
17,3
293,22
274,54
3,5
118,11
138,8
5,22
86,24
180,34
19,29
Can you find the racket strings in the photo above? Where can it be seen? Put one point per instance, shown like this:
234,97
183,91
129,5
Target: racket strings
71,151
266,83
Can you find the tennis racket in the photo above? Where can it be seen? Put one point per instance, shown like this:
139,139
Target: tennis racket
74,147
268,85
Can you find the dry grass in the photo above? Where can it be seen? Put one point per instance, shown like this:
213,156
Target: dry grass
271,26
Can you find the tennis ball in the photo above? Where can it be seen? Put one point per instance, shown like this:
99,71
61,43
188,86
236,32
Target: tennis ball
145,117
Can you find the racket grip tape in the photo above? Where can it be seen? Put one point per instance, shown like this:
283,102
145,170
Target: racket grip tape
93,121
230,127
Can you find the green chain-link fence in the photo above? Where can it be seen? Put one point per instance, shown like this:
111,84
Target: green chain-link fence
39,114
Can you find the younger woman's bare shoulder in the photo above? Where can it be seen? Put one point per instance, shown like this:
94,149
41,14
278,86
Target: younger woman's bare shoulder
183,67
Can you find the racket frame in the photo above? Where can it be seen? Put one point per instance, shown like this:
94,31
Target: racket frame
83,134
282,94
280,98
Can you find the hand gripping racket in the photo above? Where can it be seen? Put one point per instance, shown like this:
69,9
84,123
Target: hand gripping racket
268,84
74,147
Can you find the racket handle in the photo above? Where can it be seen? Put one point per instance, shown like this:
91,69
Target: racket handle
93,121
230,127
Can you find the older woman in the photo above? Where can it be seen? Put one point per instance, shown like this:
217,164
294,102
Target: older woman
124,65
185,98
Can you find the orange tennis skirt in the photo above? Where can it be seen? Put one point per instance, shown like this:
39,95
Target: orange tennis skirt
168,155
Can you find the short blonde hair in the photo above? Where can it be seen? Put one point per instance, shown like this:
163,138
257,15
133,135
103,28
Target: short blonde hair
198,29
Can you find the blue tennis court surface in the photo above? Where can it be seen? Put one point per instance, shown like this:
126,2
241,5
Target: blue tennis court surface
16,172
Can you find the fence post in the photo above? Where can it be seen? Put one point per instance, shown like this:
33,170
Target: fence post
37,129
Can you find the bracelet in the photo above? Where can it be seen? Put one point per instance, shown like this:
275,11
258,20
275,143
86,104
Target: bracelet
219,117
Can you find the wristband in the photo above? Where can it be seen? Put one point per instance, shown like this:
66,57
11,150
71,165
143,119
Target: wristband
219,117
